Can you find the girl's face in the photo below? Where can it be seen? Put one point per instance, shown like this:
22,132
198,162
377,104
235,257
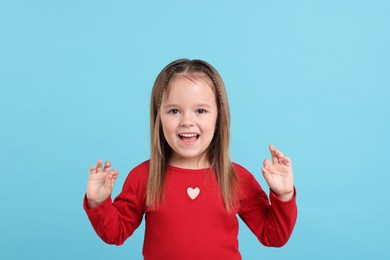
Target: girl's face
188,116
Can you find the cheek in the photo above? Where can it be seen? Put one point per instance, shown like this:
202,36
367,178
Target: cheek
214,122
167,133
168,126
209,125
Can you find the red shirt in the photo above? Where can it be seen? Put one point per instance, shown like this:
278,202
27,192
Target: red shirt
192,228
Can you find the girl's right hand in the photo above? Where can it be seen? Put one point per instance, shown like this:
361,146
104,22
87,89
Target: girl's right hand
100,183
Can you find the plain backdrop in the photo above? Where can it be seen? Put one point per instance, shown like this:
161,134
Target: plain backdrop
310,77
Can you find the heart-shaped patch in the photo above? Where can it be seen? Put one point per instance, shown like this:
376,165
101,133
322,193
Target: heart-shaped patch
193,193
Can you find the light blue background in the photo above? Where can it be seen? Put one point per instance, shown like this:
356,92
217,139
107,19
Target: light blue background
311,77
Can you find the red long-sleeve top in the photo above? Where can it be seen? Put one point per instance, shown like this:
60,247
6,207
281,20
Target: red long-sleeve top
192,228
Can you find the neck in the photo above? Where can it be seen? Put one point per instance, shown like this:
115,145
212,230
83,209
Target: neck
189,163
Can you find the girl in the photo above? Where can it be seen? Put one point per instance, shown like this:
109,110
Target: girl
189,191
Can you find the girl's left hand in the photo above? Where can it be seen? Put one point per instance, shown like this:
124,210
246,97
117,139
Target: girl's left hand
279,174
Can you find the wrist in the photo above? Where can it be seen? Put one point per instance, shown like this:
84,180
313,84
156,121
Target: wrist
286,196
93,203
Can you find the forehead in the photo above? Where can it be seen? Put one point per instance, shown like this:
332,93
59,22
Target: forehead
194,83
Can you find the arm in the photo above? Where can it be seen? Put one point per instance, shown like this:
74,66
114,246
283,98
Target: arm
113,222
272,221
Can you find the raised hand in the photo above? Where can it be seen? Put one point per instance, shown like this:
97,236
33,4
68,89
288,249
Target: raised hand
100,183
279,174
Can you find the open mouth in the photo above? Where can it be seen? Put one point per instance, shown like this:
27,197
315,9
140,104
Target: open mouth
189,138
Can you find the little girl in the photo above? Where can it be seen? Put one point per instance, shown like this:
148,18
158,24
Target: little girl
190,191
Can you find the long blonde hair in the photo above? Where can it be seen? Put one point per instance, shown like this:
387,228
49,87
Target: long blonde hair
218,151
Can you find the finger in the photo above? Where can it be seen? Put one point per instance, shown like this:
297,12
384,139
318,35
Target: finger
107,166
267,163
114,173
92,170
277,155
273,150
286,160
112,176
99,166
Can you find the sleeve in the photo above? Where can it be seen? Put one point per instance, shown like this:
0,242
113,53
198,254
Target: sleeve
115,221
272,221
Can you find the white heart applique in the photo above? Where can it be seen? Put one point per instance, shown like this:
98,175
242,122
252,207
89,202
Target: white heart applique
193,193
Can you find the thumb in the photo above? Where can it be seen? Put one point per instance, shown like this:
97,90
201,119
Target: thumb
110,180
267,175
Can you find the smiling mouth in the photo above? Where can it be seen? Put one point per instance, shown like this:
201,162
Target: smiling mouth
189,138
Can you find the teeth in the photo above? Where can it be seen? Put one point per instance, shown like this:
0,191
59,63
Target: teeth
188,135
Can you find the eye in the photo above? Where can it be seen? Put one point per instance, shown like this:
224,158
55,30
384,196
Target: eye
173,111
201,111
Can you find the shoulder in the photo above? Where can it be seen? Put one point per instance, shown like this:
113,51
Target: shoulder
245,178
140,169
242,172
139,174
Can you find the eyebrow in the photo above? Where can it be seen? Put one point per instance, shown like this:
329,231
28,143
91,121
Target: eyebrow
197,105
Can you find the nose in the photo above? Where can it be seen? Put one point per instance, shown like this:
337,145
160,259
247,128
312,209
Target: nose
186,121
